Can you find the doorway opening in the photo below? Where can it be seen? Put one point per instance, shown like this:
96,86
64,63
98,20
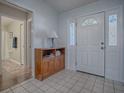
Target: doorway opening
12,44
15,48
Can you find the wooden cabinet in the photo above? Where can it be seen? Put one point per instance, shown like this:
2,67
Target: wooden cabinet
57,63
62,64
45,68
48,62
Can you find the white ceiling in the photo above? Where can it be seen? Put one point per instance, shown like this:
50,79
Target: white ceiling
66,5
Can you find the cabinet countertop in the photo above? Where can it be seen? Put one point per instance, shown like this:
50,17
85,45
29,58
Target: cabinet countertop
50,48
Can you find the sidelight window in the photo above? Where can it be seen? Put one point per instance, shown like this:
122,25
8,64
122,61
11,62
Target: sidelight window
113,30
72,39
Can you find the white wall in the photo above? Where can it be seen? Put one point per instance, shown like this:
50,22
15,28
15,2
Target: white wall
64,18
45,18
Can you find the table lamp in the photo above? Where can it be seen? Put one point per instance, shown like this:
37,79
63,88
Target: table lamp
53,35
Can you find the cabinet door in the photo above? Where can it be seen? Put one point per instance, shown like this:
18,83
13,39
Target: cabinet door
62,62
45,68
57,63
51,66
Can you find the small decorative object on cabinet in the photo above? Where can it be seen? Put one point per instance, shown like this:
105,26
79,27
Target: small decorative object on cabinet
48,62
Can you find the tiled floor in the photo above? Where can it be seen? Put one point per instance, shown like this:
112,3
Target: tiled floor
68,82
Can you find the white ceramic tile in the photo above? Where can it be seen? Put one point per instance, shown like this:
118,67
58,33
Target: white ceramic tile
77,88
89,85
98,89
51,90
85,91
6,91
37,91
99,81
45,87
80,84
72,91
108,89
68,85
100,85
68,82
19,90
64,89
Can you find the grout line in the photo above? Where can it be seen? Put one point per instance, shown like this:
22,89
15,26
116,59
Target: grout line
114,86
25,88
93,86
84,85
37,87
103,85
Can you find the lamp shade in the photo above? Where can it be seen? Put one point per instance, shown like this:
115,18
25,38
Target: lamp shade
53,35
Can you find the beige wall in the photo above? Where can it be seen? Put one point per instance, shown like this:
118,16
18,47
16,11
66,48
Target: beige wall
9,53
4,45
15,29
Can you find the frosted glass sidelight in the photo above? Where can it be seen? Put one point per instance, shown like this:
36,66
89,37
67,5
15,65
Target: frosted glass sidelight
113,30
72,34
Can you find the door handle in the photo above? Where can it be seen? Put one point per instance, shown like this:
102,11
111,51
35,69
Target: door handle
102,43
102,48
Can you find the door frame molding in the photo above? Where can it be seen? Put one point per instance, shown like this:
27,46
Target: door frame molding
29,43
0,49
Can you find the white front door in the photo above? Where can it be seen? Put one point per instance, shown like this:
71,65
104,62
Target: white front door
90,44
